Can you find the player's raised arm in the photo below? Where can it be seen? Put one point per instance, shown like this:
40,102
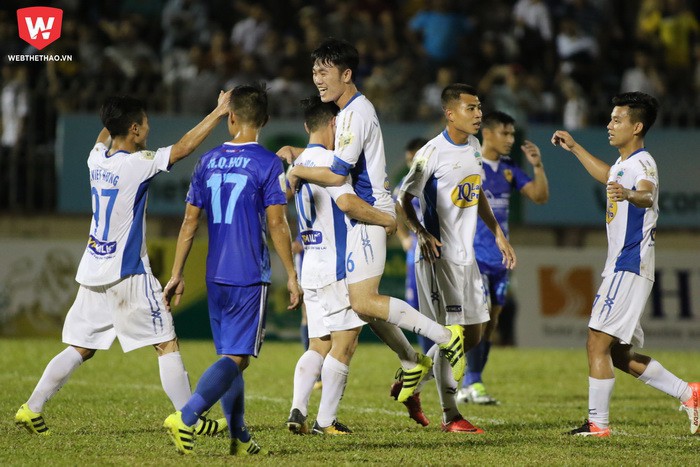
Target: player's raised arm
538,189
289,153
597,168
486,215
282,241
104,137
176,285
199,133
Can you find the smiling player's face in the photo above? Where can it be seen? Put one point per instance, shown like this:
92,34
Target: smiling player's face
329,81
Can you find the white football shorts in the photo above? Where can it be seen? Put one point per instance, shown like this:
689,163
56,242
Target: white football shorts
366,252
451,293
328,310
618,307
131,310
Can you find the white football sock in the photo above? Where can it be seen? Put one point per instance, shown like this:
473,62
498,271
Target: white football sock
406,317
447,388
599,393
396,340
174,379
334,375
305,375
660,378
55,376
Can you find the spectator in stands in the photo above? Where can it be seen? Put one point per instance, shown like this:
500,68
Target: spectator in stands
643,76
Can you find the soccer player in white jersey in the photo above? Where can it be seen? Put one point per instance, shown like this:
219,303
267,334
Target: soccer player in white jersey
359,152
118,295
446,176
501,176
632,185
333,326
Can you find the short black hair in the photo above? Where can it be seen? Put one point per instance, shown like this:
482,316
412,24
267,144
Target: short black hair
318,113
337,52
415,144
249,103
119,112
453,91
495,118
643,108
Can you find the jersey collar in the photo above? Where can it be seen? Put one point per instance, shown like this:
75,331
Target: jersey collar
357,94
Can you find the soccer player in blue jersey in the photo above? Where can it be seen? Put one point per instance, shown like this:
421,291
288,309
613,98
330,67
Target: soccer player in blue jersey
359,152
333,326
118,295
241,186
632,185
501,176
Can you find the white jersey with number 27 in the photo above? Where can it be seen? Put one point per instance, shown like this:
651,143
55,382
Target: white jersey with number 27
119,183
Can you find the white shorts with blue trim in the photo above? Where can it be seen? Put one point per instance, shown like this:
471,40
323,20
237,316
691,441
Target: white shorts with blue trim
450,293
618,307
366,252
131,310
328,310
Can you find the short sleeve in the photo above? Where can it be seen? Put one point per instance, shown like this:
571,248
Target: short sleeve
349,139
422,168
195,194
647,172
520,178
338,191
274,185
151,163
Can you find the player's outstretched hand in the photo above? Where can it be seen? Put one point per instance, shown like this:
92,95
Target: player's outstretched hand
222,104
293,180
563,139
532,153
391,228
295,293
288,153
173,290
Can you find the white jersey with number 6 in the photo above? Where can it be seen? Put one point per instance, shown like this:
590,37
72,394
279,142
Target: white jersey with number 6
119,182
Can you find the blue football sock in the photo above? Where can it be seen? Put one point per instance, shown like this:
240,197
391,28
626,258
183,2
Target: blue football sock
211,386
475,359
485,353
233,404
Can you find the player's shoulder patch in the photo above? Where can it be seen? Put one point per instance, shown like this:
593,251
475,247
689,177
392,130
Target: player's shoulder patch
283,182
423,156
147,155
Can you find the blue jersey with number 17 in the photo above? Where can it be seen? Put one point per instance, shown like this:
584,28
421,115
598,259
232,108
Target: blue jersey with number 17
234,183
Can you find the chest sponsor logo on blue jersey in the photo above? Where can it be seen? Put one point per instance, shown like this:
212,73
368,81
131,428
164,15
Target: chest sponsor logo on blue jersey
312,237
466,193
101,248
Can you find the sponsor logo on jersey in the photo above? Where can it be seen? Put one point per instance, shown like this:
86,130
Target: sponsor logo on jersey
283,182
453,308
466,193
148,155
101,248
311,237
611,210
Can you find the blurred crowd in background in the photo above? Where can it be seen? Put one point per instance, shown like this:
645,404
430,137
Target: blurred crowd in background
542,61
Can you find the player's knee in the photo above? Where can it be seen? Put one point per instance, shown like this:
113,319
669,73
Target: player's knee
165,348
86,354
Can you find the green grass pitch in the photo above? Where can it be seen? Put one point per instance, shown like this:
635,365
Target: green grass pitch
111,411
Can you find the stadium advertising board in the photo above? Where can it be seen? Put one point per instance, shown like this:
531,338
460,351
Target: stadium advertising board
555,288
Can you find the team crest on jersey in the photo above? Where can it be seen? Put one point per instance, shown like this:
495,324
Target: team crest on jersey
345,139
148,155
508,174
611,210
466,193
